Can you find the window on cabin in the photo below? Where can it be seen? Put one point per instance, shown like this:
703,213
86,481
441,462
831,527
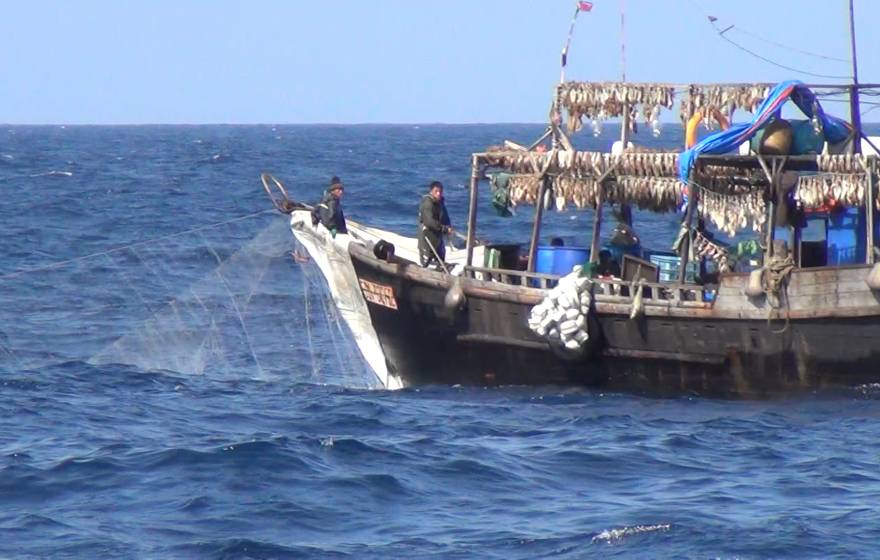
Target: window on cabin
814,243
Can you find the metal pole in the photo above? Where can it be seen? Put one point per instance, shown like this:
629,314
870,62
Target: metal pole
622,44
771,226
855,113
472,209
564,58
869,212
536,227
625,209
597,224
686,242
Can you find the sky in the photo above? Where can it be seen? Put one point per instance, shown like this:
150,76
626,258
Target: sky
389,61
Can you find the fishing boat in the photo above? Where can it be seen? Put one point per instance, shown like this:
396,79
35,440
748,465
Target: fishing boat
800,311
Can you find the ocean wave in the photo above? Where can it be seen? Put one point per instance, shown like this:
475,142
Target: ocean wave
473,469
250,548
350,447
255,453
610,535
198,503
382,485
37,522
53,174
219,158
299,460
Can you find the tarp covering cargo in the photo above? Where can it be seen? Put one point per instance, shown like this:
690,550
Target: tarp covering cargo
835,129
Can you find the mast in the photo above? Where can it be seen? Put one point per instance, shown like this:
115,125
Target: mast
567,44
625,210
624,121
472,210
855,113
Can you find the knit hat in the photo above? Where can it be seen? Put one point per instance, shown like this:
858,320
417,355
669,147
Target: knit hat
335,183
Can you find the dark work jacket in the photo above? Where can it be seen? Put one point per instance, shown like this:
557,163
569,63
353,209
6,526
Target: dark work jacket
444,215
432,219
329,213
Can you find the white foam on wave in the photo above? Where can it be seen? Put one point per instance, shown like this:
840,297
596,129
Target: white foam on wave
53,174
868,389
609,535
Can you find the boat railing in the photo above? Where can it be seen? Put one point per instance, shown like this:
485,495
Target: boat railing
523,278
666,294
606,290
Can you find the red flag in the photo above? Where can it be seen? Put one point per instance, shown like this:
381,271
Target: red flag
585,6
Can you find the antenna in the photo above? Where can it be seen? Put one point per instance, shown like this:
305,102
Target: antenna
855,113
622,44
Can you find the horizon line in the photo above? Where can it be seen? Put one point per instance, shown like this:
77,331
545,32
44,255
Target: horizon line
367,123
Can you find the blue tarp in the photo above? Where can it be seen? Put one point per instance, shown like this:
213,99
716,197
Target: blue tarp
835,129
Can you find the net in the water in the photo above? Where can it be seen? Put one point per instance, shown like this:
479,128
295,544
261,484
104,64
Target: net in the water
228,300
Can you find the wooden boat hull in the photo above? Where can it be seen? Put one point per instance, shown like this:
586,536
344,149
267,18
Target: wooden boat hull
712,350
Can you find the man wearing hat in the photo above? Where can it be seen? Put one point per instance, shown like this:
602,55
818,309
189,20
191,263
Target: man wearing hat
433,223
329,210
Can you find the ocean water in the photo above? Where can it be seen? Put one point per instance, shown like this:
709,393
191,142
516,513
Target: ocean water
173,384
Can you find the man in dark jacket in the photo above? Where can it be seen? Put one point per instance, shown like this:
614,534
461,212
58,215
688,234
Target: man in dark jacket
433,223
329,210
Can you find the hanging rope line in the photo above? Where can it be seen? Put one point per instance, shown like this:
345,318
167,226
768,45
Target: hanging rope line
60,264
721,33
788,47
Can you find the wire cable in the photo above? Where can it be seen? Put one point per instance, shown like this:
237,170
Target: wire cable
721,33
129,246
784,46
770,61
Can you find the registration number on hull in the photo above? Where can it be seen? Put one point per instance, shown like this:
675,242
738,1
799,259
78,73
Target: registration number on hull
378,294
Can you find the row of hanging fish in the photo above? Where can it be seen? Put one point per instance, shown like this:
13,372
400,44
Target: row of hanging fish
647,164
726,180
657,194
731,214
721,98
704,247
650,164
524,189
607,100
814,191
584,162
581,191
841,163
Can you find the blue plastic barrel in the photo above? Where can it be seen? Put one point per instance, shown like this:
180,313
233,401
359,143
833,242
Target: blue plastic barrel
560,260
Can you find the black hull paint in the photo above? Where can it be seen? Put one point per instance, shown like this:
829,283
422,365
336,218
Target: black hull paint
487,342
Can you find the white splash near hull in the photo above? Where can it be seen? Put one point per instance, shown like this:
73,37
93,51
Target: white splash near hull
331,256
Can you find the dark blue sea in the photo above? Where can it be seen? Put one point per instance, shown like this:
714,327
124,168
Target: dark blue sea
173,384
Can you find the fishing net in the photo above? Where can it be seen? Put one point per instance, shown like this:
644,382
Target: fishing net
227,300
